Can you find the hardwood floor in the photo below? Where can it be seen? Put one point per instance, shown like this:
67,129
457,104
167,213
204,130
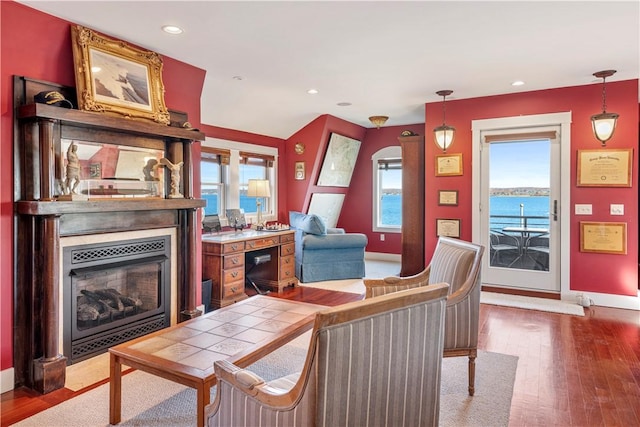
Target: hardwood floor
572,371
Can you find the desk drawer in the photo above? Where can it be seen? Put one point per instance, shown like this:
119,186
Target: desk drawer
230,290
288,249
233,261
228,248
286,238
287,268
261,243
233,275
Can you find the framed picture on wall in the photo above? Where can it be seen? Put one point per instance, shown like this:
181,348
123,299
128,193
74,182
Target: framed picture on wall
603,237
448,227
448,197
339,161
115,77
299,171
605,168
449,164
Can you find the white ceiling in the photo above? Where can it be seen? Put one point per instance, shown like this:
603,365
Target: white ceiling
384,57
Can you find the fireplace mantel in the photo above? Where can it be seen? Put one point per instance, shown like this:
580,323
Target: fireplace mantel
43,217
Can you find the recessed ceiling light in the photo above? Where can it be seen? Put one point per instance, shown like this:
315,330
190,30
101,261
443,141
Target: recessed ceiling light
312,91
343,104
172,29
517,83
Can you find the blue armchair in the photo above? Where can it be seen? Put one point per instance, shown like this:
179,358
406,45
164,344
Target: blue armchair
326,253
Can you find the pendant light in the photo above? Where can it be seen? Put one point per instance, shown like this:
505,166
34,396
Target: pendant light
444,134
378,121
604,124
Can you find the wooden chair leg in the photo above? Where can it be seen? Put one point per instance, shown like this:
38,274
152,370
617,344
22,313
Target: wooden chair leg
472,371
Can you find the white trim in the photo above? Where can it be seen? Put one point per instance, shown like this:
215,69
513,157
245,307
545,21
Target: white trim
537,120
392,151
7,380
606,300
380,256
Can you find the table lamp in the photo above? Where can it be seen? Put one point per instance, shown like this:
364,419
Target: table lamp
259,188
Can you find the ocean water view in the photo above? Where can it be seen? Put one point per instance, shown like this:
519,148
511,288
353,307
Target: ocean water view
500,207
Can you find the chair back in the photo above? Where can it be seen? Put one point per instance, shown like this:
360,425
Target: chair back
378,361
454,261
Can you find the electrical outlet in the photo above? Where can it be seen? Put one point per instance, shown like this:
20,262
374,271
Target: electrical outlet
382,237
617,209
583,209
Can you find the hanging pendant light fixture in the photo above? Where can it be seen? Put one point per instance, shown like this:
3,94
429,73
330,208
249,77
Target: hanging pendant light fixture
444,134
378,120
604,124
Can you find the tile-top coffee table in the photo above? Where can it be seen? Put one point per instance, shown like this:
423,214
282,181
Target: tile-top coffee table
241,333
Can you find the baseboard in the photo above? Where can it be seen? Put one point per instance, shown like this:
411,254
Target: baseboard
521,292
7,380
607,300
379,256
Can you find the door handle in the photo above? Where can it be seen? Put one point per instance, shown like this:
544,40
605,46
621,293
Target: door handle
555,210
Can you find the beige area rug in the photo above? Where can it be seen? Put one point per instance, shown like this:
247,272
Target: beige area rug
374,269
151,401
531,303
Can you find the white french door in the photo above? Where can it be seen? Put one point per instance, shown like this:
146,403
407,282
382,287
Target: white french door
517,185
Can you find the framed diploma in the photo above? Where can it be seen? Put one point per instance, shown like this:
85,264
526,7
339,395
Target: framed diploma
605,168
603,237
448,197
448,227
449,164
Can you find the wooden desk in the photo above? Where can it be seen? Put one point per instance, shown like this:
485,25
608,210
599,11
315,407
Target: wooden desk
224,257
241,333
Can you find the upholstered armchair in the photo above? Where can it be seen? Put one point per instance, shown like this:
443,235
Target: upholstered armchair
370,363
457,263
324,253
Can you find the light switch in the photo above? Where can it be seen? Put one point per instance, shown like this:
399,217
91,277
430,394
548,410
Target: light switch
583,209
617,209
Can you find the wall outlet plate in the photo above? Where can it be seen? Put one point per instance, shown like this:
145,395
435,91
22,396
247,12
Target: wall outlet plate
583,209
617,209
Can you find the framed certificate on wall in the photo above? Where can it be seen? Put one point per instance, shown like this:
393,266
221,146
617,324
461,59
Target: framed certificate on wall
605,168
449,164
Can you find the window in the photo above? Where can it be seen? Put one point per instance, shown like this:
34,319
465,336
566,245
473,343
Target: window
226,168
212,185
387,189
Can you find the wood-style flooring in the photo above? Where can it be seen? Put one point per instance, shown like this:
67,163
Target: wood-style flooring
572,371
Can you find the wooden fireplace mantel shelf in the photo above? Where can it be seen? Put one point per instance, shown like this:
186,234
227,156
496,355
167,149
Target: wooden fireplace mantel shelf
96,120
55,207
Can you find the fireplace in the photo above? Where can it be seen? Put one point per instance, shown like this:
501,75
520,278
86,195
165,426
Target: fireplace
114,292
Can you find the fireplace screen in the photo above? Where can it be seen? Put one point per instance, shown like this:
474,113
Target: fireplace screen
114,292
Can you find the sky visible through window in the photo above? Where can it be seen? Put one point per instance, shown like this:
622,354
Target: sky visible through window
520,164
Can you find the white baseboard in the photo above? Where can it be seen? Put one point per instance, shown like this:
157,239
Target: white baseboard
379,256
607,300
7,380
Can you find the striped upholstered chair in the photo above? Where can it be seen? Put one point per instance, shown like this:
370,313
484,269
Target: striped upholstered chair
457,263
370,363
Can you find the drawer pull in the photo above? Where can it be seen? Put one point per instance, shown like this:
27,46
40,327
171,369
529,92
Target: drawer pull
235,261
234,274
287,261
287,273
234,289
234,247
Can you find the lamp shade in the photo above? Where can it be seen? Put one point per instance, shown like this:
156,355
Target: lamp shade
258,188
444,136
603,125
378,120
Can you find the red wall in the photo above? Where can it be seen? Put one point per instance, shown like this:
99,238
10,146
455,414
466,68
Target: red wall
614,274
37,45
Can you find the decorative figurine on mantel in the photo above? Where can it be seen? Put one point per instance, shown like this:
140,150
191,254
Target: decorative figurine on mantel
175,177
72,178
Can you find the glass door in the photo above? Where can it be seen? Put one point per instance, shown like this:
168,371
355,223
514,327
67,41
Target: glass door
519,215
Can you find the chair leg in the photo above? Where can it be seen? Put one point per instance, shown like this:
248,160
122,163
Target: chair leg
472,371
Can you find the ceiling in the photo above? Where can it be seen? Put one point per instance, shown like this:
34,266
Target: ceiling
383,57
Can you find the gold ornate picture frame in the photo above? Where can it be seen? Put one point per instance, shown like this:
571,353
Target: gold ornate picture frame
115,77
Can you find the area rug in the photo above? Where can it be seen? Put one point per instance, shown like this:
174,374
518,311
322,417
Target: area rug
151,401
531,303
375,269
